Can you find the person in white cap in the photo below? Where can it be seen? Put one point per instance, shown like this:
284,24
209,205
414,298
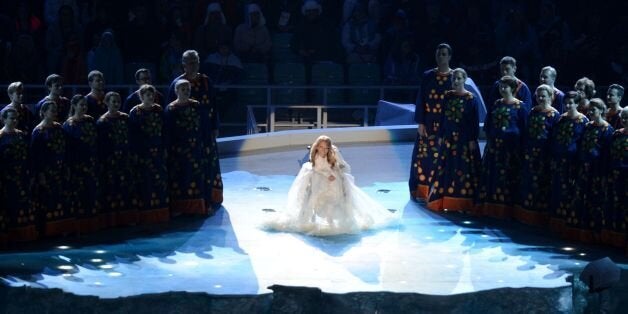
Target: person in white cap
213,31
252,41
315,38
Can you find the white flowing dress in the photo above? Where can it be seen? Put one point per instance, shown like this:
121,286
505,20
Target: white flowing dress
318,206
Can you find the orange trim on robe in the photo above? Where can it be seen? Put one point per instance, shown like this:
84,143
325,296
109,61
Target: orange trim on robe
217,196
421,191
588,237
557,226
126,217
90,224
59,227
109,220
452,203
531,217
152,216
501,211
23,234
194,207
613,238
3,241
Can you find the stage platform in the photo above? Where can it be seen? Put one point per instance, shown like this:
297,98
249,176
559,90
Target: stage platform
440,263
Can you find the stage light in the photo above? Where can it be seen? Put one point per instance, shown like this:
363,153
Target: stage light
484,236
97,283
568,248
66,267
582,254
106,266
217,286
115,274
96,260
467,222
100,251
63,247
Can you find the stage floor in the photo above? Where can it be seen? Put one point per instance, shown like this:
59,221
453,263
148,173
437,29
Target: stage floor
228,253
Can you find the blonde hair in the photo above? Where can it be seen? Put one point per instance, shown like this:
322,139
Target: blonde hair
331,154
548,89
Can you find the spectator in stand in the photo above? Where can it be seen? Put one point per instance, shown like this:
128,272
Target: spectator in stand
360,37
141,38
52,7
178,21
478,55
107,58
508,67
252,41
283,16
213,31
26,22
142,76
372,10
398,30
73,66
101,20
307,40
432,28
548,77
224,67
402,66
170,61
516,37
24,61
555,35
58,35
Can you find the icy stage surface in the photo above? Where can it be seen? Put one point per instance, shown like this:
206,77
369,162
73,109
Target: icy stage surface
427,253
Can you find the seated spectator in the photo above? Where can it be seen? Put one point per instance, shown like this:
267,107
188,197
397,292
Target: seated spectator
252,41
402,64
213,31
223,67
397,31
308,41
73,66
170,60
107,59
58,35
27,22
24,62
554,33
373,9
517,37
360,37
141,38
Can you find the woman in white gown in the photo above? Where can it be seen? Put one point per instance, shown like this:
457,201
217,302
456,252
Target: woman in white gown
323,199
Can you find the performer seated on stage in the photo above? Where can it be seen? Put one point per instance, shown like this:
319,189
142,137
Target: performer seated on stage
323,199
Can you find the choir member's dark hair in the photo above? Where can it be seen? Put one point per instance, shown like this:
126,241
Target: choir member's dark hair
508,60
618,88
509,81
52,79
572,95
446,46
